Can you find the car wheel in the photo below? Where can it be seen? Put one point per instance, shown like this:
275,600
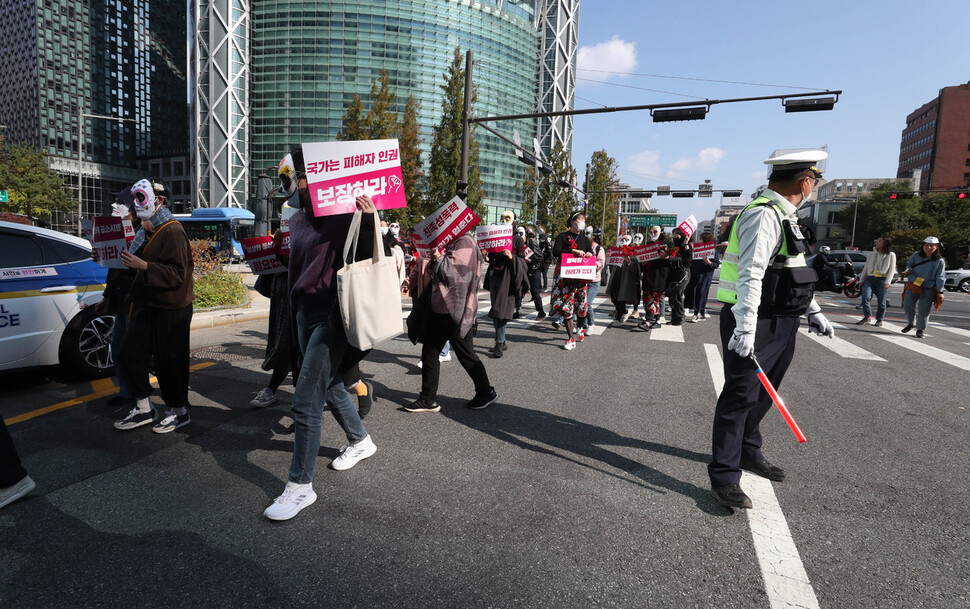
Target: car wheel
86,344
965,286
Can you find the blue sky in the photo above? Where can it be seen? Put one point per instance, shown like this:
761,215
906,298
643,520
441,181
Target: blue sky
888,57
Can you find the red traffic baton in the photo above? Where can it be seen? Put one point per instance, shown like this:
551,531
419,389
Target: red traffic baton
766,383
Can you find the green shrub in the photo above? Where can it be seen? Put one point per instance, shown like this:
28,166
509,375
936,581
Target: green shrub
219,289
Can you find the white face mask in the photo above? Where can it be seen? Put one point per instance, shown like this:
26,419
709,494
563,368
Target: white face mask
626,240
654,236
384,230
145,201
579,225
638,239
395,229
505,220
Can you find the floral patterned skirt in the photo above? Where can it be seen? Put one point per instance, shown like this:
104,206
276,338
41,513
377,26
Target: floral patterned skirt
569,298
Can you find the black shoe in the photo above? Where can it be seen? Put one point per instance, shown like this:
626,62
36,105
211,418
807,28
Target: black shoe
677,323
497,350
919,334
654,325
364,402
731,496
505,345
482,401
763,469
643,325
422,405
517,315
556,325
907,328
540,316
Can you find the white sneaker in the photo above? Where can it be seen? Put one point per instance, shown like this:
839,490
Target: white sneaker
624,317
570,345
351,454
693,319
264,398
661,320
444,358
12,493
420,364
295,497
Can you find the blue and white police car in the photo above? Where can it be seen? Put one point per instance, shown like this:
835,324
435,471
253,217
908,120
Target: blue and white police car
48,286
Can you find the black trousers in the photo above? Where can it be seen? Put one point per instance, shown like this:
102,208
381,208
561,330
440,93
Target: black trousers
11,469
675,293
535,281
743,401
161,335
544,269
441,330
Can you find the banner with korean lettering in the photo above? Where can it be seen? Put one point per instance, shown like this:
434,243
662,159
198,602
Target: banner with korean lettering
646,253
260,253
615,257
338,172
494,238
447,223
111,236
285,214
577,267
704,250
688,226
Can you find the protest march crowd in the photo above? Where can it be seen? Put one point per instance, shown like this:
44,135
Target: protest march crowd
335,274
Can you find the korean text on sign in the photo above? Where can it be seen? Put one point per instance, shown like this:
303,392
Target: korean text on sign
646,253
447,223
285,214
494,238
704,250
260,253
339,172
110,237
616,257
577,267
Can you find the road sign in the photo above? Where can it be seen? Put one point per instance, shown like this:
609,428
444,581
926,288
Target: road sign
4,198
645,220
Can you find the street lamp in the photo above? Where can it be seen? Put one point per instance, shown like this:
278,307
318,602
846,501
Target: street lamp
80,147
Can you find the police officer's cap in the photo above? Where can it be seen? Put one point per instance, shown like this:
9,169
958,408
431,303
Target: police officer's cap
786,166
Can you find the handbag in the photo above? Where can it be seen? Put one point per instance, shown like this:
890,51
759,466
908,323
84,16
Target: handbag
420,316
264,286
369,292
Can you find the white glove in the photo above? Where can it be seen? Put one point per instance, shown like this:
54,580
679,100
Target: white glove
742,343
819,325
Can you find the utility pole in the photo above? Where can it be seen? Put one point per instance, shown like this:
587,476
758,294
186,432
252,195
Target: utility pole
466,116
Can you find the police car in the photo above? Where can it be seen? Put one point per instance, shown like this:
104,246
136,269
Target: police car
48,286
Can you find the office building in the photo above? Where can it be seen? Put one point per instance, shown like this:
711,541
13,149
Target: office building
69,63
935,144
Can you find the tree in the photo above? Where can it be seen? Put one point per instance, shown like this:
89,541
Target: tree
879,215
33,189
555,202
601,209
354,123
381,122
446,147
409,140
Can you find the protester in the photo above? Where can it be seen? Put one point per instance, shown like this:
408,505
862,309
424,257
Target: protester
701,276
507,281
453,276
656,274
925,277
161,312
596,238
766,287
876,277
14,481
417,281
679,260
545,248
624,286
569,296
535,263
316,248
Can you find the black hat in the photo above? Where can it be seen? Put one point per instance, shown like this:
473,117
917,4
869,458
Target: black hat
125,197
573,216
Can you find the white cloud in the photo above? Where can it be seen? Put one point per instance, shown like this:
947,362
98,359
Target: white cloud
646,163
706,160
614,55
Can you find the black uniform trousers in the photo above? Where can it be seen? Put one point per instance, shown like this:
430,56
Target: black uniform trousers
441,329
743,401
162,336
11,469
535,285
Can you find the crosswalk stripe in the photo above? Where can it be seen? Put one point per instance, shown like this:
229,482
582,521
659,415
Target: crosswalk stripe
951,329
844,348
714,363
894,328
598,312
668,333
928,350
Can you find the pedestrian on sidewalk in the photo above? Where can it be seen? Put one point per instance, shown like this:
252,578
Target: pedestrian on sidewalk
701,276
569,296
453,277
876,277
316,247
507,282
925,277
161,311
14,481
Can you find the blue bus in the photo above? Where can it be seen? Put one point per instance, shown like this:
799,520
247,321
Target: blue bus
225,227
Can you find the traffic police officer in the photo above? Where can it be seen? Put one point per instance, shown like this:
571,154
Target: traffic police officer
766,286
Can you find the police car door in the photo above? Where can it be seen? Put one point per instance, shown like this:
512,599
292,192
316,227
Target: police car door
38,296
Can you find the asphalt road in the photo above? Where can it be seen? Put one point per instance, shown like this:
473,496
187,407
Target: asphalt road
584,486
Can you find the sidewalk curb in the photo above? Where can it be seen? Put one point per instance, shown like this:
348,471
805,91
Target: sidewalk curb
209,320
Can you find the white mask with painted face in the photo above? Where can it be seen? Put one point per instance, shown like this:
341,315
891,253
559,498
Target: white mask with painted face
395,229
384,230
145,201
626,240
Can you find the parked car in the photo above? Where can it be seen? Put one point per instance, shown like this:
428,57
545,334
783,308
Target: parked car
958,280
857,258
48,286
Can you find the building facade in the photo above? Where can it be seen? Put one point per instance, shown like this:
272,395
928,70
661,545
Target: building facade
559,29
73,68
935,144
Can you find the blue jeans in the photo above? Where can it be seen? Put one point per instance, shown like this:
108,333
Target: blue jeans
120,329
446,349
918,307
877,285
591,291
499,324
323,343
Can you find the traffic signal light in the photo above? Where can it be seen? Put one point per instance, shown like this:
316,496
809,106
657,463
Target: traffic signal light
963,194
900,195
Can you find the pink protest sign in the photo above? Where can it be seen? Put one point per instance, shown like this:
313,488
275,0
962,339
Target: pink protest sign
494,238
615,257
646,253
528,252
447,223
285,214
260,253
339,172
688,226
577,267
110,237
704,250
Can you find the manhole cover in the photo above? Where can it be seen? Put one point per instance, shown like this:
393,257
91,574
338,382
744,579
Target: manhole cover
231,352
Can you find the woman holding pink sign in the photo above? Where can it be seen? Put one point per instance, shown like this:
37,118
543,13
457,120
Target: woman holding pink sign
569,296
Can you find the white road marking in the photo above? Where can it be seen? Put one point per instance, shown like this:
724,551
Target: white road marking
928,350
669,333
843,347
786,581
894,328
602,320
951,329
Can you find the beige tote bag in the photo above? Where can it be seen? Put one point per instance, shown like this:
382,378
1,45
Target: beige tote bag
369,292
